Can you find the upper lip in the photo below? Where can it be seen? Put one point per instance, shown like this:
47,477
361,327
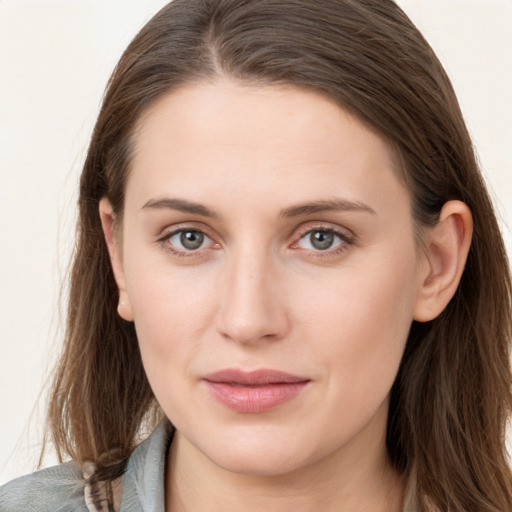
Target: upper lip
253,378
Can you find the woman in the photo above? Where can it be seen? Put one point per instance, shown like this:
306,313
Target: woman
287,259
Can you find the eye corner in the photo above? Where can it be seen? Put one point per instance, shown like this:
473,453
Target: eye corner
187,241
330,241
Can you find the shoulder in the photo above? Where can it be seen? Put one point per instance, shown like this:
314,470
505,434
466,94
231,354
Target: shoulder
62,488
56,489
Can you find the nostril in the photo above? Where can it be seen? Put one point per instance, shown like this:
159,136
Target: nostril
253,325
250,310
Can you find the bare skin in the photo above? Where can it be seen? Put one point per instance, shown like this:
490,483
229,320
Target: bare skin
267,229
307,489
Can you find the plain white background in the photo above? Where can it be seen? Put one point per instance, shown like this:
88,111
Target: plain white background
55,59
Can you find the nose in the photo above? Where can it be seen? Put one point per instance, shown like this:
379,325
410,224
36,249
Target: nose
252,307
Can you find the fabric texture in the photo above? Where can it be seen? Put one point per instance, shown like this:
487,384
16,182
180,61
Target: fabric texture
64,488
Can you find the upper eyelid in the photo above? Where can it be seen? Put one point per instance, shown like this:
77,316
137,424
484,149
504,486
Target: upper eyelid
345,240
343,232
169,231
297,233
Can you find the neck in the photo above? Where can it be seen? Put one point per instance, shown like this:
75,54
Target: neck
359,479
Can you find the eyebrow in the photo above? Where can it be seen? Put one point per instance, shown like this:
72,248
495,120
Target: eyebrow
181,205
325,206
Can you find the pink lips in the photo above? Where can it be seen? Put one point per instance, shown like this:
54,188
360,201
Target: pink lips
256,391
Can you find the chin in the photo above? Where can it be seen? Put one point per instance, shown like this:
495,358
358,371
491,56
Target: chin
262,464
263,454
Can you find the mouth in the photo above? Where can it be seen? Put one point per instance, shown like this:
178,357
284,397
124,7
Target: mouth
256,391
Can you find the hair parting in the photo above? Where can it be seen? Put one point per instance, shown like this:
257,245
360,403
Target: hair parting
451,400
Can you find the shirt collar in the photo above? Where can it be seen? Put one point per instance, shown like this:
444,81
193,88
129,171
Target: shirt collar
143,488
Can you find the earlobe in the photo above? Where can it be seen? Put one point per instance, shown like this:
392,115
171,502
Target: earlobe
107,217
446,250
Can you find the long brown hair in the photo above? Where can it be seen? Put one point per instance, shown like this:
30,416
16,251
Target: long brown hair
451,399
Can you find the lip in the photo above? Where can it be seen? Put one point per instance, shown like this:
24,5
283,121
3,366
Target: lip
255,391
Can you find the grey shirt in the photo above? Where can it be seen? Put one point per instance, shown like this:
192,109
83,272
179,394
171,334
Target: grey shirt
62,488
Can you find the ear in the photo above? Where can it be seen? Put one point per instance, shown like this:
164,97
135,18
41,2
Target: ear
446,250
113,243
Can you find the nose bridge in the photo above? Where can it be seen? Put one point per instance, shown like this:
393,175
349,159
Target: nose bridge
250,307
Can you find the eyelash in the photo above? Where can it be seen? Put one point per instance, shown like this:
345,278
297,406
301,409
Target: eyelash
346,240
165,241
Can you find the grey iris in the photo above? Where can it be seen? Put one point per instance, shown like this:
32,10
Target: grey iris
321,240
191,239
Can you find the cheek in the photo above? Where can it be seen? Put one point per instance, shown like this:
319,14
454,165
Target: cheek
170,308
169,319
359,321
349,324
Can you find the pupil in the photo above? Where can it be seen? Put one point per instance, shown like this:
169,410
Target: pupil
321,240
191,239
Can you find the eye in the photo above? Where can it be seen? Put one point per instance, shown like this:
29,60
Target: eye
320,240
189,240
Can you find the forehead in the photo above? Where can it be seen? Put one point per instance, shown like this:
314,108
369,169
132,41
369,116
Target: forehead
257,141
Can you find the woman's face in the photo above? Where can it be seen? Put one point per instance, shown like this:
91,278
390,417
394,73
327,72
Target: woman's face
269,265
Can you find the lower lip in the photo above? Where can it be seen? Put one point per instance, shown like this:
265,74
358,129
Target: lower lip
254,399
